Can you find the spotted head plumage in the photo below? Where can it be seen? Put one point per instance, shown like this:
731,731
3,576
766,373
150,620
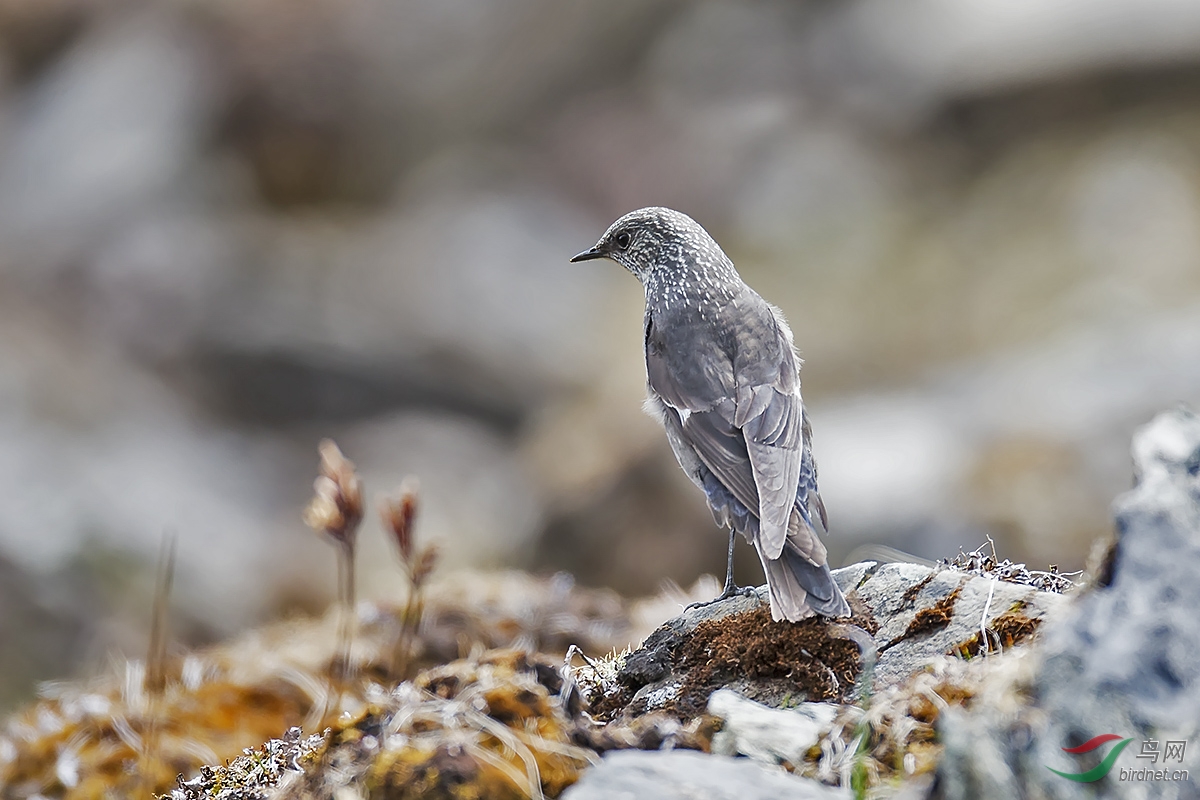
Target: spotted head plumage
661,244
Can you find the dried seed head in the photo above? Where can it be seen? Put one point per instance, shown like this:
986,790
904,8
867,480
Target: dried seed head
398,516
337,505
322,514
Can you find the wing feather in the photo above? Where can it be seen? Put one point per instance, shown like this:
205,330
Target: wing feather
749,429
776,473
722,448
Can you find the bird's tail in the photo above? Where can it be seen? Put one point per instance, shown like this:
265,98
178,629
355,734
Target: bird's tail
798,588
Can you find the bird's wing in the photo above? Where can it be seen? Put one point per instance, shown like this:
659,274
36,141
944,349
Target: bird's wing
803,527
808,497
773,443
722,448
699,386
750,434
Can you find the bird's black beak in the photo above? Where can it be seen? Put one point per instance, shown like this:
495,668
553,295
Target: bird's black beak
588,255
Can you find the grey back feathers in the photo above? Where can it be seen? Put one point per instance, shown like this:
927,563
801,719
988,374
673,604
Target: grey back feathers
724,379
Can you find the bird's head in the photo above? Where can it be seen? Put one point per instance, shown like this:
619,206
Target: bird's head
655,238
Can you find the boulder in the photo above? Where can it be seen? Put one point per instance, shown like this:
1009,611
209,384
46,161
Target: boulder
904,615
1121,660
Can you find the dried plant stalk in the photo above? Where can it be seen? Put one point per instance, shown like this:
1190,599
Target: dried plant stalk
399,515
336,511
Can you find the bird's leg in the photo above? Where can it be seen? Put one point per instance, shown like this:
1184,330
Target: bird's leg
731,589
729,584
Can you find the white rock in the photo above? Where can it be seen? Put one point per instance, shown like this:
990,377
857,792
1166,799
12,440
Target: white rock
770,735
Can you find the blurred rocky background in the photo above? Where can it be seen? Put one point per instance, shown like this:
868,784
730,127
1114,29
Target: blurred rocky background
228,229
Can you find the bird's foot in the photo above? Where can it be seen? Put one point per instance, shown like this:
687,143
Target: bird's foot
730,590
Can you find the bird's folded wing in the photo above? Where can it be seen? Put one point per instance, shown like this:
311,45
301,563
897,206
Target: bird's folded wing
751,436
753,462
776,472
774,443
722,448
808,498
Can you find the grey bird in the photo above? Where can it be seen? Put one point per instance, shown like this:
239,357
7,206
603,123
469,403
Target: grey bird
723,377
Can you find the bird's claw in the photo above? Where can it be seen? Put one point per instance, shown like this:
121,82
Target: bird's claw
729,591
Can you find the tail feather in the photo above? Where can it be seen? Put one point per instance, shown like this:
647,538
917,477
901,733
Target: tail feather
788,598
797,588
824,595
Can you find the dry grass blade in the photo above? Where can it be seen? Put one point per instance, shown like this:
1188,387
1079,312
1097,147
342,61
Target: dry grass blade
155,679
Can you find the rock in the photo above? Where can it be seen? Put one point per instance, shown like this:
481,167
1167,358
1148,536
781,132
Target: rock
924,612
906,614
651,661
1121,660
687,775
766,734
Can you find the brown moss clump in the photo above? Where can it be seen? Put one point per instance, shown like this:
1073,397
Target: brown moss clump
934,618
910,594
751,646
1010,628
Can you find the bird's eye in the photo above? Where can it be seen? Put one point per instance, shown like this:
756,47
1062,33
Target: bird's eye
622,240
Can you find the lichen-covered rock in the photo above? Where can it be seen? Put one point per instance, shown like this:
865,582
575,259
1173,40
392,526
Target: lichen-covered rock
925,612
905,614
1121,661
